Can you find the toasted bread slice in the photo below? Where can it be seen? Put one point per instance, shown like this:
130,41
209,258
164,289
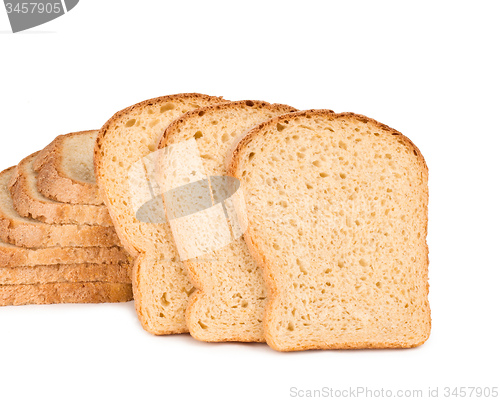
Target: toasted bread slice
66,169
337,217
74,273
161,286
64,293
30,203
230,301
12,256
30,233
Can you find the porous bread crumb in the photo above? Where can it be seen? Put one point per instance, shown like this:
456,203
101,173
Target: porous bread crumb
337,210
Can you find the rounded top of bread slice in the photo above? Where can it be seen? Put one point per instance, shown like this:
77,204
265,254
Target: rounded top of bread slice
216,127
66,169
279,123
70,153
129,136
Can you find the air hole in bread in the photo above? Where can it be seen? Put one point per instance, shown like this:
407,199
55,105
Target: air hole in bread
164,300
130,123
167,107
280,127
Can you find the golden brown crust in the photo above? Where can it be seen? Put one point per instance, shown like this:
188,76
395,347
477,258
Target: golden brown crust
12,256
259,256
54,183
73,273
48,211
58,293
18,231
214,108
55,235
128,110
248,136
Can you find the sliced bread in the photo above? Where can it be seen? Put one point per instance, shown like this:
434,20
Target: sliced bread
230,301
66,169
337,217
161,286
74,273
58,293
30,203
12,256
23,231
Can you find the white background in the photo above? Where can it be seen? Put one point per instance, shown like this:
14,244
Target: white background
428,69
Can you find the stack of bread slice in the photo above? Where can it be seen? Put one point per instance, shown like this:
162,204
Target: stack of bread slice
334,254
57,241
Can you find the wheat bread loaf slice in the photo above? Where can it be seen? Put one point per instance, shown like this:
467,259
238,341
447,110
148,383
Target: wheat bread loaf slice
12,256
161,286
28,202
230,301
64,293
337,217
30,233
73,273
66,169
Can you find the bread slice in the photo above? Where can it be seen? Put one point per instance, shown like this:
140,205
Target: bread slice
161,287
12,256
73,273
337,216
230,301
30,203
23,231
64,293
66,169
